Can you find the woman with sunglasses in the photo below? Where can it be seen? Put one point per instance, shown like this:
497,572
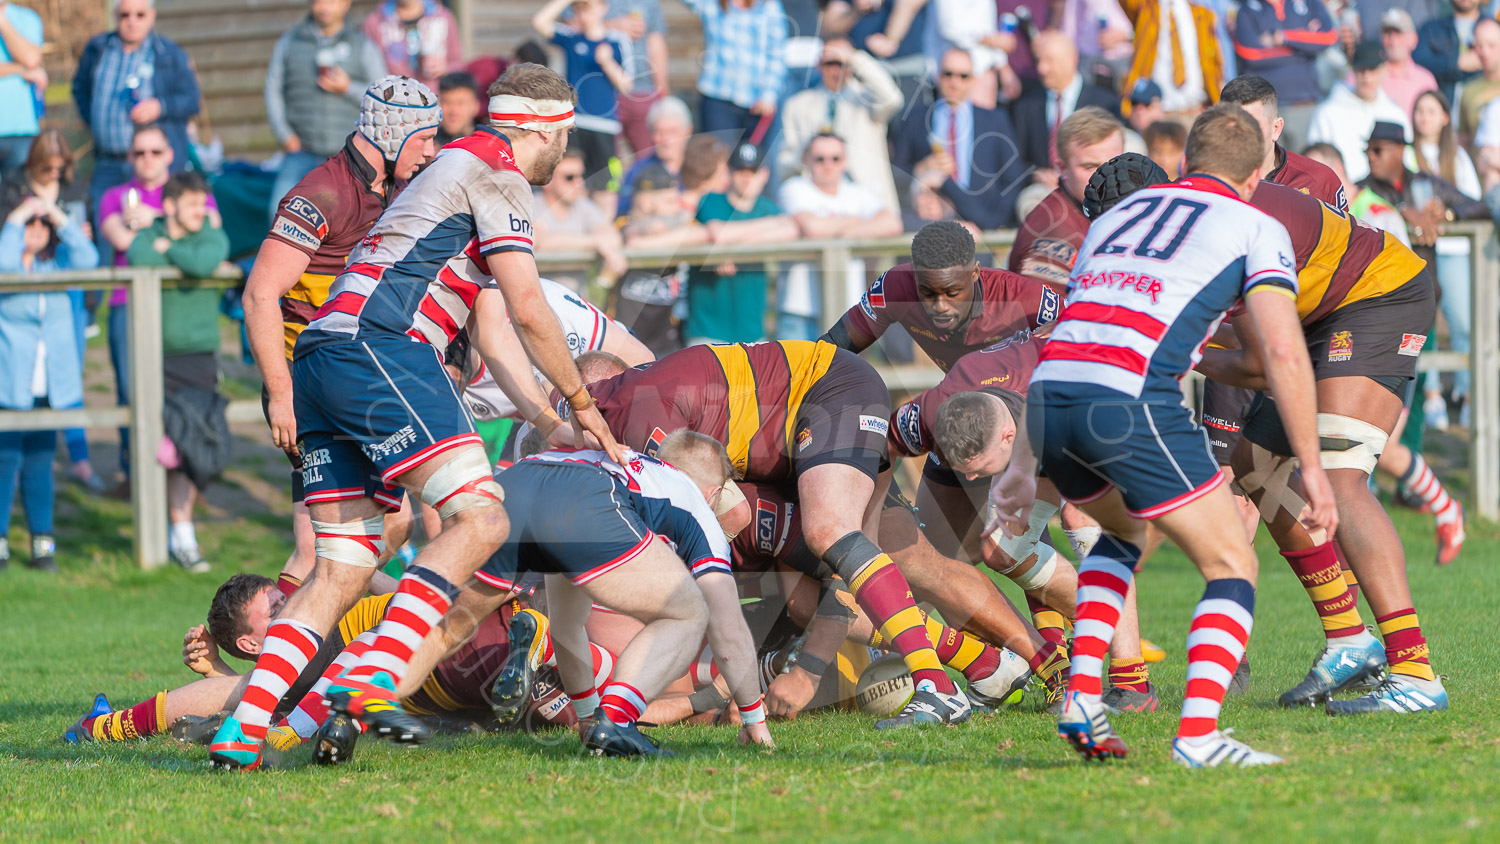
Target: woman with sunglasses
39,344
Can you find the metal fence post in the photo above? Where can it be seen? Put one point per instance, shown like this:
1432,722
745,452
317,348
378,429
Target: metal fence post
835,286
148,480
1484,368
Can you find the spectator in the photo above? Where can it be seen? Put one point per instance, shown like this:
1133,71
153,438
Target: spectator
1038,114
1190,34
974,28
1435,151
671,125
1280,42
38,342
645,297
826,205
667,219
974,149
643,25
564,219
417,38
318,74
743,66
855,101
21,84
1445,46
1482,89
458,98
1145,105
593,55
1100,29
1047,245
1389,179
1404,78
1328,155
1025,18
127,79
123,212
1421,11
184,237
1346,116
1166,140
726,302
926,205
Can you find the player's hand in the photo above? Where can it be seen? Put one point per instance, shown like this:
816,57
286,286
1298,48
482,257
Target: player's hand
790,693
591,421
1011,497
756,734
563,436
200,653
283,423
1321,512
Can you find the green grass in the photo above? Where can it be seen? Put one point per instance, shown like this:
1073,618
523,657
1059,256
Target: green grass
103,626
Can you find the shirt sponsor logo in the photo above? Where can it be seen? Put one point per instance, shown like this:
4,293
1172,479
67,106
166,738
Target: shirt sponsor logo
874,297
1411,344
519,225
307,212
765,526
653,442
392,445
804,439
1340,346
1050,305
311,460
909,425
295,233
874,424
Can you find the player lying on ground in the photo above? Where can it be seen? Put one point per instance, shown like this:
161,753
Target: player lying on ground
1105,421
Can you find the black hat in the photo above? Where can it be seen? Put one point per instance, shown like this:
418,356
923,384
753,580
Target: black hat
1367,55
1144,92
654,176
1118,178
1384,130
746,156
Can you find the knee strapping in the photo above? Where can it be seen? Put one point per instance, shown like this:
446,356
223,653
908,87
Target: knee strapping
1346,443
851,555
1021,548
461,483
1083,539
1270,475
359,543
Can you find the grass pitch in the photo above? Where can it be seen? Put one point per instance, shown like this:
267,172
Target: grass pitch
103,626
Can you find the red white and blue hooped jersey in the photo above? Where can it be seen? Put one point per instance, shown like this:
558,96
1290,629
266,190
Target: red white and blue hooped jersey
1153,280
422,265
668,501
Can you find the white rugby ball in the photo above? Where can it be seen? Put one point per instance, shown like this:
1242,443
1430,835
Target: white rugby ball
884,687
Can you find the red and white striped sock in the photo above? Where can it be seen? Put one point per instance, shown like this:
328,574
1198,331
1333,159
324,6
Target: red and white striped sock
311,712
1216,644
289,646
622,703
1425,486
1103,579
421,599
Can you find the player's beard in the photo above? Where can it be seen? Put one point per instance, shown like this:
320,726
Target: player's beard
546,162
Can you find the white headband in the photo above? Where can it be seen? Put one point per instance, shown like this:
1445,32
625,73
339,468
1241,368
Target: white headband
531,115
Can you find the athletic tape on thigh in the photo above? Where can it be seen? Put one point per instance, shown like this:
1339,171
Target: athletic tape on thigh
1271,476
1020,548
463,482
1346,443
358,543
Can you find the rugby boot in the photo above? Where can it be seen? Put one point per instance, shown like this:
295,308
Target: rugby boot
232,750
1057,692
603,737
1120,699
76,734
374,703
929,706
529,644
1336,669
333,743
197,729
1216,749
1004,686
283,738
1085,724
1398,693
1450,538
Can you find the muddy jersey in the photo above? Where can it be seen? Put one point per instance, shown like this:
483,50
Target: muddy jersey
418,272
324,217
1002,370
1004,303
1047,244
1313,178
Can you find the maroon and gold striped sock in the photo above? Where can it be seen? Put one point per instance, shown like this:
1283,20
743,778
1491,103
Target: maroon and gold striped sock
1318,570
1130,674
885,596
146,718
962,652
1405,646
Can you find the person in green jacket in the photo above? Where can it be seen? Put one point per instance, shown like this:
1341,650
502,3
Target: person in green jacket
184,238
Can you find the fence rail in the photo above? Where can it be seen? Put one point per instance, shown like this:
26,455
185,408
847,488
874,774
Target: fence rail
144,414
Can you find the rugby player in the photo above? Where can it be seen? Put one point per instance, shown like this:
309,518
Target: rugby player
812,416
1106,424
407,290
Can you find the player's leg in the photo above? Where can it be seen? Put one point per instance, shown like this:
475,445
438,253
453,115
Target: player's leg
1414,475
155,714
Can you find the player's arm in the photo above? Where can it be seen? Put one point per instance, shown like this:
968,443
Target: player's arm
1013,491
826,626
541,335
1242,367
277,268
500,348
733,646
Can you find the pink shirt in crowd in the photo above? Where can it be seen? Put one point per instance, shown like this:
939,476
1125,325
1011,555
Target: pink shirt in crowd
113,202
1405,84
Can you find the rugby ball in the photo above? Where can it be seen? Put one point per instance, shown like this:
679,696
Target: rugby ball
884,687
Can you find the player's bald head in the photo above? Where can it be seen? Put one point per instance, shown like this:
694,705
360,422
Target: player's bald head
598,365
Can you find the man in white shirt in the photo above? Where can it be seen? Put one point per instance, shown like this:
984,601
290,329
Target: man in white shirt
855,101
1347,114
826,205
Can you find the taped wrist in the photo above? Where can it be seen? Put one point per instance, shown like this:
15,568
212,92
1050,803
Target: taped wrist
851,554
754,713
359,543
835,602
707,699
465,481
809,663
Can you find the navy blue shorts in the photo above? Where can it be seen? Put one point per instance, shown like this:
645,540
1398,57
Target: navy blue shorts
370,410
570,519
1151,451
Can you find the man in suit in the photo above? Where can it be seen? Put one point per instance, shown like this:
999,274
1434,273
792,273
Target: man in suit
1038,114
974,148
